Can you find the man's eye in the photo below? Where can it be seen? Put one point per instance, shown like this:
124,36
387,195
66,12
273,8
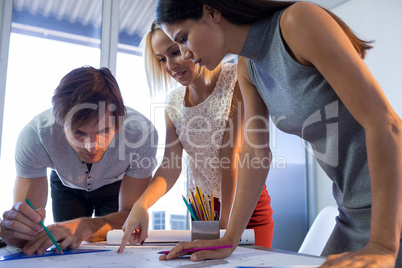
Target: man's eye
79,133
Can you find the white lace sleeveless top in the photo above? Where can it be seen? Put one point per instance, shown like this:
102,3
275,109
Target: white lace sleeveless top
201,129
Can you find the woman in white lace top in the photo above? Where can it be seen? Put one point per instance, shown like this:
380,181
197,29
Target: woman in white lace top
204,117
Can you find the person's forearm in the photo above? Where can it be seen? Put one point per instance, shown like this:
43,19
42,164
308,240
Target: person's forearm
162,182
96,229
35,190
251,180
385,164
233,144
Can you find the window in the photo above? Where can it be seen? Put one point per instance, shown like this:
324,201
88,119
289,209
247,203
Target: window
158,220
178,222
41,52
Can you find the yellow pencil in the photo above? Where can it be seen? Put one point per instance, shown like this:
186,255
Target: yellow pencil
197,209
201,200
198,201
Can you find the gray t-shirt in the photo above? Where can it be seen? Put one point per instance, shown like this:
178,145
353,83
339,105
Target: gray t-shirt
42,144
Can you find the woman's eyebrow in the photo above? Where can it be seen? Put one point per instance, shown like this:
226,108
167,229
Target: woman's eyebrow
175,36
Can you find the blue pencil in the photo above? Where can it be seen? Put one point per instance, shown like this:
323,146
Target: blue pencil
193,210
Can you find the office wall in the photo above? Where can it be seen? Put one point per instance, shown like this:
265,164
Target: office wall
287,186
380,21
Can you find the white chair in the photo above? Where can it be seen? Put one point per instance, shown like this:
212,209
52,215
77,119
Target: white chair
319,232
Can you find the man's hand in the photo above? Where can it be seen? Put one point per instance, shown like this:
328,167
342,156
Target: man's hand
21,224
136,227
65,233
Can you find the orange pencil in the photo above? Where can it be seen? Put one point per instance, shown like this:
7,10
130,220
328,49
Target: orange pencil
212,207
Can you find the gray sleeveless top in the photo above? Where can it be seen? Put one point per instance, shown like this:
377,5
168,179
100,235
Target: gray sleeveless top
301,102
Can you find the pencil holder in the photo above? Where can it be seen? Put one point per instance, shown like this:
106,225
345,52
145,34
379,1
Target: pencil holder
204,230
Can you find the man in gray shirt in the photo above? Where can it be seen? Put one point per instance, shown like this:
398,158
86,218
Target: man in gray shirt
101,154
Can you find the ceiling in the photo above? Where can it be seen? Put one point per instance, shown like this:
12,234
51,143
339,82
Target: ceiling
80,17
134,15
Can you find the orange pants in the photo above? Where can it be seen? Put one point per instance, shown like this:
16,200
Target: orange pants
261,220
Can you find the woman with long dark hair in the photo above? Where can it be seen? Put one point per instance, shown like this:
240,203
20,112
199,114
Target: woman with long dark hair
304,66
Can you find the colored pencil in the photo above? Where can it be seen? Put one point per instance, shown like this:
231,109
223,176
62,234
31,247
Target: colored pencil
189,208
202,203
195,204
46,230
212,207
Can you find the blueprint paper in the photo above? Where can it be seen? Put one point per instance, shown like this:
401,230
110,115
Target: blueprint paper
146,256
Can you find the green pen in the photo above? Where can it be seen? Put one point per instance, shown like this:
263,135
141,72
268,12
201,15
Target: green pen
46,230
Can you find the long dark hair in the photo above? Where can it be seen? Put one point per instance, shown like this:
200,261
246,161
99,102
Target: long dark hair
240,12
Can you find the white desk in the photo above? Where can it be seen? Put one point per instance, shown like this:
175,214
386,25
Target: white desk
146,256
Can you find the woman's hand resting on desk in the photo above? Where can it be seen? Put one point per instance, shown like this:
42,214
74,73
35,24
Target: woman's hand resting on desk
21,224
136,227
369,256
203,254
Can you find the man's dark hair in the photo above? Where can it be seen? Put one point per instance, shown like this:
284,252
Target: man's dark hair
87,90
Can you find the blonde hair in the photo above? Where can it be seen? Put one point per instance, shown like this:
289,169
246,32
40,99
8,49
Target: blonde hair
159,82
